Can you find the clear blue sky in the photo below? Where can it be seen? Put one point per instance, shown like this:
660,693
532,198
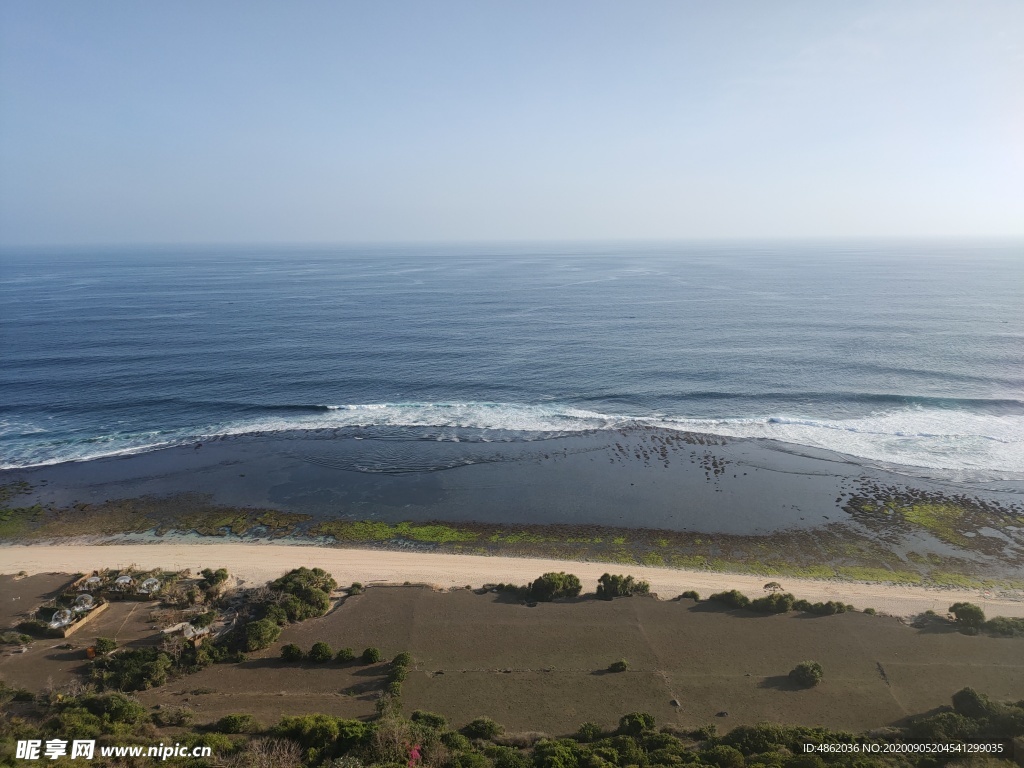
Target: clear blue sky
305,121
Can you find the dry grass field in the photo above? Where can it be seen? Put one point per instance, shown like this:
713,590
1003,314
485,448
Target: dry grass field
543,668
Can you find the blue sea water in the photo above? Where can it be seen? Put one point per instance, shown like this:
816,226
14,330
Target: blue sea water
903,354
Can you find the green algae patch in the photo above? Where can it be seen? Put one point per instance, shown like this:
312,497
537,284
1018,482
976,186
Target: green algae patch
217,522
18,522
939,519
376,531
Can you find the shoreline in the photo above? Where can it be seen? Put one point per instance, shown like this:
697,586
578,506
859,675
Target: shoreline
261,562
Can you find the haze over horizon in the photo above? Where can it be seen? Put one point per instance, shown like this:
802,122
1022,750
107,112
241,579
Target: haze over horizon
467,121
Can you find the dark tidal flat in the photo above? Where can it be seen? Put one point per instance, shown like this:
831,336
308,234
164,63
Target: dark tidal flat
641,479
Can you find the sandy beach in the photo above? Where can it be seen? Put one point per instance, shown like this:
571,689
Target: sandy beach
260,562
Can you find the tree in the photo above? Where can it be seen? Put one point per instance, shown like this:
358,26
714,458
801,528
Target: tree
320,652
636,723
610,587
292,652
807,673
968,615
589,732
554,585
483,728
345,654
105,645
733,598
618,666
260,634
371,655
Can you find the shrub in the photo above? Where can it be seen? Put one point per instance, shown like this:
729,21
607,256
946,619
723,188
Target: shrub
237,723
345,654
321,652
618,666
776,602
483,728
356,588
870,611
691,594
371,655
260,634
398,674
204,619
589,732
429,720
393,689
723,756
135,669
968,614
733,598
292,652
807,673
552,585
1007,627
275,613
609,587
212,578
821,609
404,659
173,716
969,703
307,592
636,723
105,645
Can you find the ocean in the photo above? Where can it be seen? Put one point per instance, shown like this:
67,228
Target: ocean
904,355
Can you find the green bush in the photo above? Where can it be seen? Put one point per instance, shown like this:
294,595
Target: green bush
1006,627
134,669
820,609
345,654
307,592
723,756
276,613
636,723
204,619
968,614
610,587
237,723
733,598
777,602
430,720
398,674
691,594
371,655
552,586
589,732
212,578
321,652
483,728
807,673
404,659
356,588
292,653
260,634
618,666
870,611
105,645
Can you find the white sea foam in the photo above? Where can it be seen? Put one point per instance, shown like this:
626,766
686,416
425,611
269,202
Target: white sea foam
917,436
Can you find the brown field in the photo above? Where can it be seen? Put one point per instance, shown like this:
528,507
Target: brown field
541,668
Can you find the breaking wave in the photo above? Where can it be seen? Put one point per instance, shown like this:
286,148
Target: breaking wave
912,436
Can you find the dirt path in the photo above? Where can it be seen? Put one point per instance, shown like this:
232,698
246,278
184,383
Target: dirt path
260,562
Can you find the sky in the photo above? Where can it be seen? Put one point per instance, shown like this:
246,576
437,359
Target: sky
469,120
